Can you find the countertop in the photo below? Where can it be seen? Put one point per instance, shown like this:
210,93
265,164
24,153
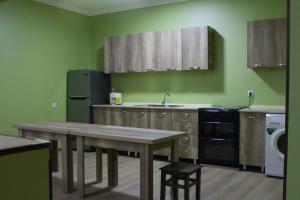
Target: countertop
265,109
9,144
145,106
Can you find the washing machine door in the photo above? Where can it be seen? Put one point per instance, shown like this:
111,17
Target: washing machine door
278,143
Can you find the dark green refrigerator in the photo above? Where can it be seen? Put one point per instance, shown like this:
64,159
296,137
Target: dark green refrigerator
84,89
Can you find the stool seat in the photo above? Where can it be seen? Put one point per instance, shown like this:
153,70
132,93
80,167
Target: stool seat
180,171
181,168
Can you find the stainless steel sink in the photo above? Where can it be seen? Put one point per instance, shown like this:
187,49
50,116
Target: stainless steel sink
160,105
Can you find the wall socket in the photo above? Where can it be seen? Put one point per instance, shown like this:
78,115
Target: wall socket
54,105
250,93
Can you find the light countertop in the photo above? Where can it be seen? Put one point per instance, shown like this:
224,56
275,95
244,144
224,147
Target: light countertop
264,109
145,106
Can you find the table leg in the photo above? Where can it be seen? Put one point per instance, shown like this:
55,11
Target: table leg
175,150
54,156
112,167
146,173
67,163
80,167
98,165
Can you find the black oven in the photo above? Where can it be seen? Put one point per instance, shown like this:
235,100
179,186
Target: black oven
219,136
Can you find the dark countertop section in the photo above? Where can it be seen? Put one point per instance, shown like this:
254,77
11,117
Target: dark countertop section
10,144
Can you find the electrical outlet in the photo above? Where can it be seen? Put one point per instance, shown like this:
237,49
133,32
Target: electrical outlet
54,105
250,93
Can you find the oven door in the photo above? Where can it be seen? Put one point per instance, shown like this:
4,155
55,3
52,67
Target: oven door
218,151
219,130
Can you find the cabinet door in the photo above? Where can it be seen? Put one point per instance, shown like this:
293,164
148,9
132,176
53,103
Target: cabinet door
171,50
139,118
280,42
267,43
151,52
252,139
132,53
196,48
161,119
120,117
108,68
102,116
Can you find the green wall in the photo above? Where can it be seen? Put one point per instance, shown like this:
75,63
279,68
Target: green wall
228,83
38,45
293,174
25,175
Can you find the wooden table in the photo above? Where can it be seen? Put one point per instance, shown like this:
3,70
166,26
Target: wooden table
115,138
58,132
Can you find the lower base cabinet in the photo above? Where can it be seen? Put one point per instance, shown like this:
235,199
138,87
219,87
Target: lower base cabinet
252,139
161,119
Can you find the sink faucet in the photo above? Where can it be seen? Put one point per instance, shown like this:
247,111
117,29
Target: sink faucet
164,102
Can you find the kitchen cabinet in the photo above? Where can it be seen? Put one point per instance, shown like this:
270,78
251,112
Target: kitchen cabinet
151,52
252,139
171,50
197,48
267,43
123,54
162,119
139,118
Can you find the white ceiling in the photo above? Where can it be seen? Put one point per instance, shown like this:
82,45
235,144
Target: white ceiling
97,7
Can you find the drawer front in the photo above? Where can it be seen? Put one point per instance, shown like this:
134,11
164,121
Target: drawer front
191,128
120,117
185,116
161,119
139,118
253,116
188,152
189,140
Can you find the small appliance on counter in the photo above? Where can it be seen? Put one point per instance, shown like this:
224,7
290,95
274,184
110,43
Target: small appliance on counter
115,98
219,136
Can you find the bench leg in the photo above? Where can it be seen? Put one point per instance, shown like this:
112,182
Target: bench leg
112,167
175,188
80,167
186,189
198,185
163,186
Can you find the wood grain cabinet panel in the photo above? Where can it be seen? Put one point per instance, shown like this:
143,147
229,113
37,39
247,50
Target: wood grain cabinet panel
151,52
197,48
171,50
120,117
185,116
102,116
123,54
267,43
139,118
252,139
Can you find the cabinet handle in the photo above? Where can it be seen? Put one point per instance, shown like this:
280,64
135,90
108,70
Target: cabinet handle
140,114
162,115
171,69
152,70
195,68
187,126
186,115
251,117
258,65
282,64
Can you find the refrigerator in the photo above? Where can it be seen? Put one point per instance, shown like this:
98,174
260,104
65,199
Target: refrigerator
84,89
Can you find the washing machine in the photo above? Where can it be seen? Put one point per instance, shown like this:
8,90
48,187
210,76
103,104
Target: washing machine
275,145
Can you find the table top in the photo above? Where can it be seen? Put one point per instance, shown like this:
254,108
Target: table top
117,133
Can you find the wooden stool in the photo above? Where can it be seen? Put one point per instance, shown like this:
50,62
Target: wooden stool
180,171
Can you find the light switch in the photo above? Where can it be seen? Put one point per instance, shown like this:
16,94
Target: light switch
54,104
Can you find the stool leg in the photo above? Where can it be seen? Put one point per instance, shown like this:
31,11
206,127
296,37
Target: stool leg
163,186
198,184
186,189
175,188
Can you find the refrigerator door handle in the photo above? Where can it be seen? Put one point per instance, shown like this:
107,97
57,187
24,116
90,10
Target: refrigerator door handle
78,97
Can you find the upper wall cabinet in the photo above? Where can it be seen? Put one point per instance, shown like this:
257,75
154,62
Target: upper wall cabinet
197,48
151,52
123,54
267,43
169,50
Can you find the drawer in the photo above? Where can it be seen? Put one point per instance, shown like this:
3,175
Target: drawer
253,116
191,128
188,152
189,140
161,119
185,116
